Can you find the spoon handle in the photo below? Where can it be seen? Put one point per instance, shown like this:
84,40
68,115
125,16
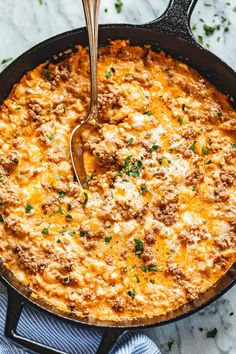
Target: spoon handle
91,9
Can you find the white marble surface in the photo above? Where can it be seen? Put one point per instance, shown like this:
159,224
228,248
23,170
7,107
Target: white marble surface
27,22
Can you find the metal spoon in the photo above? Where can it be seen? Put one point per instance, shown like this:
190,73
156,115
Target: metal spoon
91,8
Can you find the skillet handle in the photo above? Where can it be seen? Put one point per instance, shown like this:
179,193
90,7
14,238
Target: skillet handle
109,340
14,309
176,20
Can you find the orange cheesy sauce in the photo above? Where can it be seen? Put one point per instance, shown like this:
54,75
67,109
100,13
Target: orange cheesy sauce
155,227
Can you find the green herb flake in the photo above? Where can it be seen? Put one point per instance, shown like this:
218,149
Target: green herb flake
204,151
108,74
6,60
152,268
209,30
233,145
69,217
71,233
90,178
180,121
160,160
118,6
192,147
194,188
1,218
28,208
200,39
131,168
212,333
17,108
138,246
130,141
131,293
170,344
82,233
45,231
219,114
85,199
69,207
148,113
153,148
108,239
137,278
59,210
152,281
144,269
143,189
51,137
62,194
62,231
47,74
58,241
207,162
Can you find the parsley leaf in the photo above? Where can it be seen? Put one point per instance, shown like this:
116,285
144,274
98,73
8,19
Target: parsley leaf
131,293
69,217
118,6
45,231
86,199
108,239
28,208
204,151
137,278
212,333
108,74
143,189
153,148
1,218
62,194
148,113
180,120
192,147
139,246
129,142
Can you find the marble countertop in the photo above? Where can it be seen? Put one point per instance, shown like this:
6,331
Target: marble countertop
27,22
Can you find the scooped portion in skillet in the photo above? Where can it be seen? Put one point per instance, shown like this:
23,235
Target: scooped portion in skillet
156,226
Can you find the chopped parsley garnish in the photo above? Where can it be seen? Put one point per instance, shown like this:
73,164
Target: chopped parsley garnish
58,241
69,207
152,268
170,344
62,195
118,6
144,269
47,74
69,217
204,151
143,189
200,39
71,233
169,161
1,179
131,293
209,30
207,162
62,231
51,137
153,148
194,188
212,333
108,239
131,168
59,210
85,199
89,179
129,142
160,160
1,218
137,278
219,114
28,208
180,120
148,113
4,61
152,281
108,74
139,246
233,145
82,233
45,231
192,147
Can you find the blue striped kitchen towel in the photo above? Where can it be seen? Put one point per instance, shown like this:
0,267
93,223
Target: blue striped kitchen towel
67,337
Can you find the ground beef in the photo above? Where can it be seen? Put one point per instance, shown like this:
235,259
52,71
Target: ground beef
148,256
26,259
9,162
16,225
193,234
226,241
118,305
174,270
166,212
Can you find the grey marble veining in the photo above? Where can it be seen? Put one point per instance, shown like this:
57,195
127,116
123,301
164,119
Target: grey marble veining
25,23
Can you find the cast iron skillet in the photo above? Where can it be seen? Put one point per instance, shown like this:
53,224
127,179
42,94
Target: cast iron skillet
170,32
